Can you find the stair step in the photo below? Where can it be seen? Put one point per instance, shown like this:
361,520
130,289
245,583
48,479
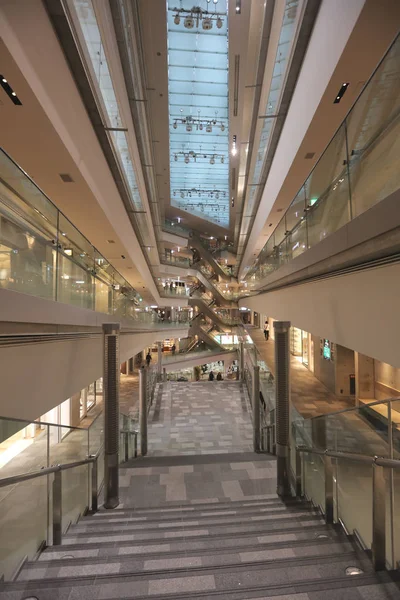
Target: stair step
171,560
210,542
272,571
202,514
175,505
134,524
374,586
265,525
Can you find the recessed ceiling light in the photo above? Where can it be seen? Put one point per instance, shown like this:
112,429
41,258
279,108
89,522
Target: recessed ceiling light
341,92
110,242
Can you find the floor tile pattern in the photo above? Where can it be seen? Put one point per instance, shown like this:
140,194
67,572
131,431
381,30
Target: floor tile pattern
199,418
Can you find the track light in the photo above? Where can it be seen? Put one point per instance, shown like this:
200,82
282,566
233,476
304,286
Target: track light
177,19
201,126
209,128
189,127
175,157
219,23
222,160
222,127
207,23
189,22
186,159
212,161
175,125
182,195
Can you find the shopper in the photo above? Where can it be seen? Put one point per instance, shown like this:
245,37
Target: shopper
266,330
148,359
211,376
265,333
219,377
173,348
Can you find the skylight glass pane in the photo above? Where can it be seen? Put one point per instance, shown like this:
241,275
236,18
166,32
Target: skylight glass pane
198,109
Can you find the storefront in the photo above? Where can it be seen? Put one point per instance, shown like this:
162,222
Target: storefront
300,345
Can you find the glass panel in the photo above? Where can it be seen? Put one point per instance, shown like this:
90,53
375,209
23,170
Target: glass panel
295,212
23,447
373,135
75,494
353,497
314,479
23,522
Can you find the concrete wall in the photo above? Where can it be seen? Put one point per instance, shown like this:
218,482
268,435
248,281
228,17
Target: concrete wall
359,310
387,381
324,370
344,367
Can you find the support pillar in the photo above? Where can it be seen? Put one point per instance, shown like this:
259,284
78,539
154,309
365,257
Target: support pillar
256,408
241,364
159,360
111,379
365,377
131,366
143,410
164,374
282,403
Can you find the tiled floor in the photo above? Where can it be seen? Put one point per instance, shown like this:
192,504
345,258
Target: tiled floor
199,418
197,479
309,395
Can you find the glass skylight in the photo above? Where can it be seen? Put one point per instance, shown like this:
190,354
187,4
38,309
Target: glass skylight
198,108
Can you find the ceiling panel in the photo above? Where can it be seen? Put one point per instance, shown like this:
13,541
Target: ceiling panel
198,109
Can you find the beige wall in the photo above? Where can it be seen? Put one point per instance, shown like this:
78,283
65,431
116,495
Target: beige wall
358,311
36,377
387,381
344,365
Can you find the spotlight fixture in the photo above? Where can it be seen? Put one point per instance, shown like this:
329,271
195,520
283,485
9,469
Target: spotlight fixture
222,127
175,157
212,161
175,125
207,23
340,93
209,127
177,19
189,22
219,23
189,127
201,126
222,160
234,148
187,159
238,7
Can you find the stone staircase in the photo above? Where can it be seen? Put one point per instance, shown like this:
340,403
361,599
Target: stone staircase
203,547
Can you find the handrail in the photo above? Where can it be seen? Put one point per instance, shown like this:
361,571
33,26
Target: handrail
354,408
378,460
48,470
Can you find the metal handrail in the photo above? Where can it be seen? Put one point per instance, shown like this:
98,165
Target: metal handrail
378,464
388,463
355,408
47,471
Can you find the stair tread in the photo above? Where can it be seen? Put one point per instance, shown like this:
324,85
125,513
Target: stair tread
282,569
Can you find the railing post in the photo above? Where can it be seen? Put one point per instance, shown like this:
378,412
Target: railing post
159,361
299,473
164,374
256,408
328,489
241,363
378,518
111,379
94,485
282,411
143,411
57,508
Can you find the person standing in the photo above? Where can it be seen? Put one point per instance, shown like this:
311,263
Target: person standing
173,349
148,358
266,331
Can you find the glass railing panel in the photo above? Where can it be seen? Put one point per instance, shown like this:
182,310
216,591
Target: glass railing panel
296,210
75,285
75,494
23,522
23,446
297,241
396,516
353,497
327,191
314,479
373,127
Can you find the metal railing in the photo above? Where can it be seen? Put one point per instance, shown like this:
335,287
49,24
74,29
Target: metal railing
379,505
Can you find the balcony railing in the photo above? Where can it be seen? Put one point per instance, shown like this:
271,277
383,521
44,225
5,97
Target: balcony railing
359,168
43,254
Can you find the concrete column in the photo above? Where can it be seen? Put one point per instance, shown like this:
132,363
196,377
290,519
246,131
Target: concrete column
256,408
365,377
143,410
111,378
282,411
173,313
124,368
159,359
131,366
241,363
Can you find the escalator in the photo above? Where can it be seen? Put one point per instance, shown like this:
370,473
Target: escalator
207,256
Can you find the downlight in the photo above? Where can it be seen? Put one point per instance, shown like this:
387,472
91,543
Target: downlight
9,91
341,92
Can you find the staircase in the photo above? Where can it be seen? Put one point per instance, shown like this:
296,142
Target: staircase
239,544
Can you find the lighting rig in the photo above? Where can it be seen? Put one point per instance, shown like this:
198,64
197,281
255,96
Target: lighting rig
196,15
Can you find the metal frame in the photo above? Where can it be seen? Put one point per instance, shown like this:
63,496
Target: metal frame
378,464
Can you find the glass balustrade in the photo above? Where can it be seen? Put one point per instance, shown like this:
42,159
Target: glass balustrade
44,255
359,168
